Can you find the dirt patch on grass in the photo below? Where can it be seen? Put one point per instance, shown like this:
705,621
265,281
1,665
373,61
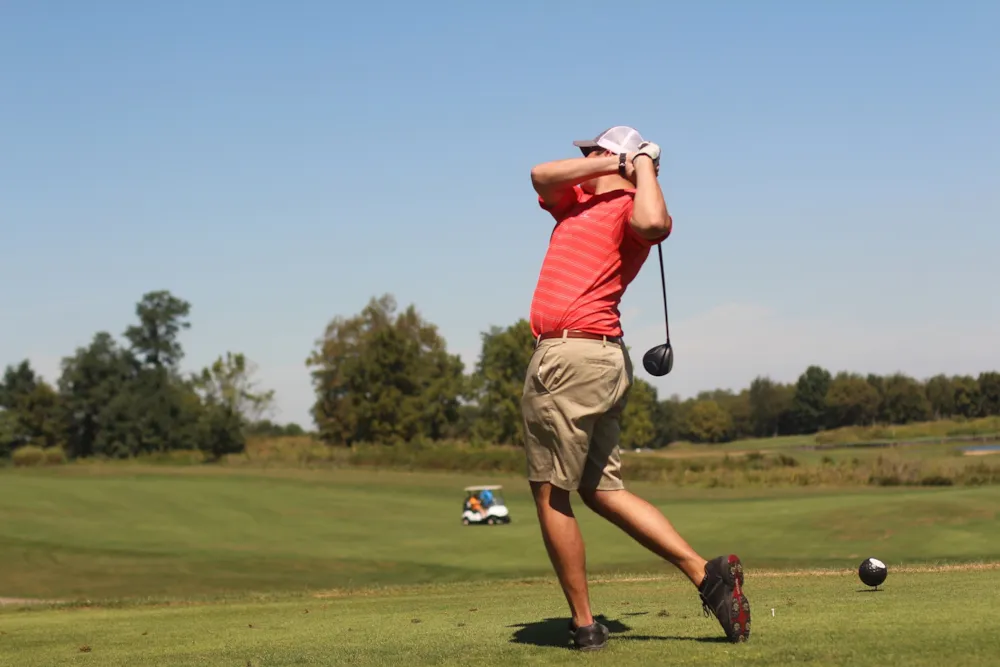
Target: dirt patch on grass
5,602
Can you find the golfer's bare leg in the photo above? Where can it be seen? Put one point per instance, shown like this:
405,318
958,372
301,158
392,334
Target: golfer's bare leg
564,542
648,527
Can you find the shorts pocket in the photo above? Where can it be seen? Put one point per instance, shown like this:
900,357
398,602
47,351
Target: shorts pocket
550,368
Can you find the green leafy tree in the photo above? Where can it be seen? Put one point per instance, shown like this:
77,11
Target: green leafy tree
738,407
809,404
498,382
33,405
668,421
878,384
220,431
91,379
152,408
10,432
155,339
966,396
851,401
18,381
707,421
231,403
384,377
989,391
638,428
905,400
770,406
267,428
940,391
39,414
229,382
155,412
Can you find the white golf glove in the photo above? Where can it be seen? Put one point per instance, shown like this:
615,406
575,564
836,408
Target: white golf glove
650,149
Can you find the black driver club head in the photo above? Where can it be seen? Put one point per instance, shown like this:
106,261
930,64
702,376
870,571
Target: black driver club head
659,360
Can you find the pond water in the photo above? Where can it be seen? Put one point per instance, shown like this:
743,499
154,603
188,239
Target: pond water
982,448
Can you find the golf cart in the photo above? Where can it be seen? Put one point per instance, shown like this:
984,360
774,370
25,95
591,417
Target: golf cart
484,505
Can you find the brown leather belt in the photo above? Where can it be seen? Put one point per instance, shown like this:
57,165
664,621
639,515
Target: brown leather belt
567,333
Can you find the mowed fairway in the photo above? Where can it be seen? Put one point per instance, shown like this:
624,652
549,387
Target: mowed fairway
918,618
214,566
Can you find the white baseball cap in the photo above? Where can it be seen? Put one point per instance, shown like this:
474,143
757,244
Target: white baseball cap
617,139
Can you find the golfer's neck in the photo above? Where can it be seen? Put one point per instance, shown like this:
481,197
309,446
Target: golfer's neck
610,183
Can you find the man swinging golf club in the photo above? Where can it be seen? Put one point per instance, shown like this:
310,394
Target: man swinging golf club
609,211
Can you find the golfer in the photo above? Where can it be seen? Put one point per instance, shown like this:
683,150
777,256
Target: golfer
609,211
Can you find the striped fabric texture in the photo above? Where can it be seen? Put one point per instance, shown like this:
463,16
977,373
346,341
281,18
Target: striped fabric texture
592,257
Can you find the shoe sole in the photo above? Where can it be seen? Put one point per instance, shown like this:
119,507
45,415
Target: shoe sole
592,648
739,606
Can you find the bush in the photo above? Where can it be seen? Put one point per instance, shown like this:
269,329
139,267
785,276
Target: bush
174,457
32,455
769,469
53,456
935,430
28,455
286,450
936,480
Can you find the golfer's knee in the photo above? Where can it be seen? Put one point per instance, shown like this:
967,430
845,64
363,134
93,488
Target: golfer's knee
549,497
546,492
591,498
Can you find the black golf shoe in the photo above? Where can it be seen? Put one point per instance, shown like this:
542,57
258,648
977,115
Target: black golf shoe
589,637
721,593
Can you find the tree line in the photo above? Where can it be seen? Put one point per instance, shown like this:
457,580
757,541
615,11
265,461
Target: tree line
384,375
123,398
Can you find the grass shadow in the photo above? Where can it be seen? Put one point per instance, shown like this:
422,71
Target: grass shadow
673,638
554,633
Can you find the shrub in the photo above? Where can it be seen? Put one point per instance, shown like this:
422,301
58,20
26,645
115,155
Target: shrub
937,430
53,455
28,455
936,480
768,468
174,457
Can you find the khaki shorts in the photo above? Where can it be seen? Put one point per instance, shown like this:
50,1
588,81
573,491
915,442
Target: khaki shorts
574,393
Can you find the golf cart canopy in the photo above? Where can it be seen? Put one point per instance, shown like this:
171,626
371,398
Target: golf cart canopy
496,487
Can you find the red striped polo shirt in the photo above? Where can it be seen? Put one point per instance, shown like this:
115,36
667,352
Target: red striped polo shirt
592,257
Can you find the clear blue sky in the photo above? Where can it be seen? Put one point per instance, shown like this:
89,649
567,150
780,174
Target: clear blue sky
833,170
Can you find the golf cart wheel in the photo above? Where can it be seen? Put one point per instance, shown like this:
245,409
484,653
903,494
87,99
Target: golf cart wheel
465,522
490,521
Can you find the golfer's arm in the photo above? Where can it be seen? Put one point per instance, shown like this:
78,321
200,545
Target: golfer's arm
649,210
552,179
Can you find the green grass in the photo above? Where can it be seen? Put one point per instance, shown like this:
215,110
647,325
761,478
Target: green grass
684,448
207,565
932,431
917,619
706,466
95,532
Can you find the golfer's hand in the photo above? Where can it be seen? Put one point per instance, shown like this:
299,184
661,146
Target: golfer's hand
647,148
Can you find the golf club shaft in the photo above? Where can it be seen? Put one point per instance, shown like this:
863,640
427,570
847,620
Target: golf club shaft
663,283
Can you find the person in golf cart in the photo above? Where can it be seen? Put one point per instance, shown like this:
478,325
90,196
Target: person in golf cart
473,503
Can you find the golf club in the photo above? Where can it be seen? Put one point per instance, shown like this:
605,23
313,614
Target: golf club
659,360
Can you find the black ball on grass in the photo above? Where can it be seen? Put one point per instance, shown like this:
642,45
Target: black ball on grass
872,572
